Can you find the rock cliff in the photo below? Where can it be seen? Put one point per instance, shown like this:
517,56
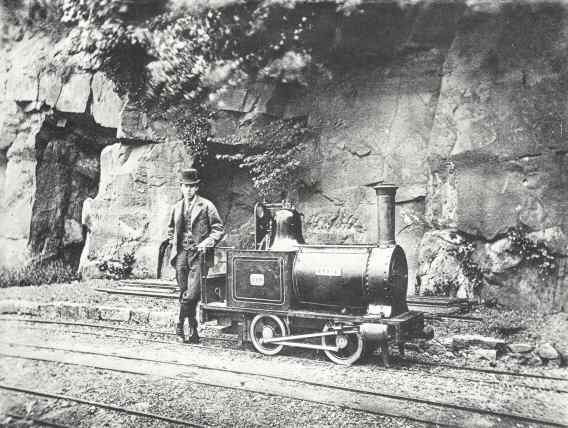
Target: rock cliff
463,107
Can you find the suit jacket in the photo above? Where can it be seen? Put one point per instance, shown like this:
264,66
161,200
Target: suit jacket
206,226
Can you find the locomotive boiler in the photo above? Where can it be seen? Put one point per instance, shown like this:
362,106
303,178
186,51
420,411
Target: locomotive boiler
345,300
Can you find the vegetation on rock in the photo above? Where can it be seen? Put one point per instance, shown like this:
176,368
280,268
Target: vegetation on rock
273,155
464,255
117,269
468,274
187,52
533,253
179,53
37,273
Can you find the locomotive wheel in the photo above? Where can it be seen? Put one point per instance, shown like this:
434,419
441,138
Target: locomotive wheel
351,347
266,327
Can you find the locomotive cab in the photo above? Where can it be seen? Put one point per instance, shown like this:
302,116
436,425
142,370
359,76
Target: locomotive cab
341,299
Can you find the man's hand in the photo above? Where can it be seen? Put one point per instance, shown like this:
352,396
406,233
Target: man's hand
203,245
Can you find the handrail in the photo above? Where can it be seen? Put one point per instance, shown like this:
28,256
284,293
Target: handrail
161,253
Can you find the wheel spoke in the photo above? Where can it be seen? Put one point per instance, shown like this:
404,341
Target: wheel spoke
265,326
348,354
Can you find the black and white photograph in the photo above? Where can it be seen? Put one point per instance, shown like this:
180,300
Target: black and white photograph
284,213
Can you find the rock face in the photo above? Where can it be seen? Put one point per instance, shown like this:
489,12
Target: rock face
130,211
17,193
499,121
463,107
49,153
498,150
67,172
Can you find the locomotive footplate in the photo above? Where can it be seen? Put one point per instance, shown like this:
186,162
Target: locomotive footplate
405,325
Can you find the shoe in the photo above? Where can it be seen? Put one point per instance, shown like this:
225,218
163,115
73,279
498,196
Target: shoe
194,338
179,330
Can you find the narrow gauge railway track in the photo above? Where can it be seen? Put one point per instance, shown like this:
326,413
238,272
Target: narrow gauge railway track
105,326
98,404
386,404
439,317
408,366
407,363
37,421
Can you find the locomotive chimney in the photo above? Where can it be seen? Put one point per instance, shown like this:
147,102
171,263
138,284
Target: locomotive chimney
385,214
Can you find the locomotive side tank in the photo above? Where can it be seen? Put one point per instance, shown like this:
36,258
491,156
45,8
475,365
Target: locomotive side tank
352,279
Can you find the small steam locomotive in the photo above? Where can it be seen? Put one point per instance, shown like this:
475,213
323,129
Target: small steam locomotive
346,300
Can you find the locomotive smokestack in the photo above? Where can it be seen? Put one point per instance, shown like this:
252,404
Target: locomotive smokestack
385,214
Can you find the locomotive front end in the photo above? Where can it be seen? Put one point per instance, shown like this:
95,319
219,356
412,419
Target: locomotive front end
366,284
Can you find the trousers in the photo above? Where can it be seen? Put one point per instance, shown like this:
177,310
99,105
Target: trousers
188,277
188,274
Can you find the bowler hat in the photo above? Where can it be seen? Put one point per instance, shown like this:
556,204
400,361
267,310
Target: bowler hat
189,176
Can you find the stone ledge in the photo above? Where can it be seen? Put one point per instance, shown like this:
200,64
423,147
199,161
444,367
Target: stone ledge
77,311
470,340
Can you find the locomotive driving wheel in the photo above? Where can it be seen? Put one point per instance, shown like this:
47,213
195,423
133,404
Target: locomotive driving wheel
264,326
350,346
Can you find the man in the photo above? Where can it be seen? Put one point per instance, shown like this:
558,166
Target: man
194,225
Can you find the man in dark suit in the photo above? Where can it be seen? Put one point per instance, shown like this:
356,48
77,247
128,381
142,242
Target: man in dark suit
194,225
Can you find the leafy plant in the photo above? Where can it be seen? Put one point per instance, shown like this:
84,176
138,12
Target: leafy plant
446,285
441,287
117,269
533,253
194,130
472,271
32,15
188,53
37,273
272,155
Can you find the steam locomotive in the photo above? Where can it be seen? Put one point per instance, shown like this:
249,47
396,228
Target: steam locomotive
346,300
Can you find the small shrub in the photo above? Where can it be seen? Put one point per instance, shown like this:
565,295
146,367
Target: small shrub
448,286
533,253
38,273
442,287
472,271
117,269
273,155
194,129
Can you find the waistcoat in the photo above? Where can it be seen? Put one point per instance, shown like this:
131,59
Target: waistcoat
188,243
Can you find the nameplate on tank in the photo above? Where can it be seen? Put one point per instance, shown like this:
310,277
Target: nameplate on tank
256,280
384,311
329,271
